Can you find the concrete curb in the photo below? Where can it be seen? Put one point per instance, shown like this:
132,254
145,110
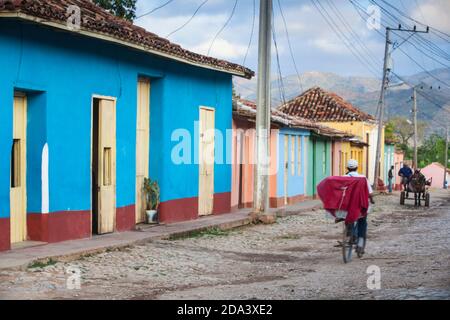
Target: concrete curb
68,251
22,264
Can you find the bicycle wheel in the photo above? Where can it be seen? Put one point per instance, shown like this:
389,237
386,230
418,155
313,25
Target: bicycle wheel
347,243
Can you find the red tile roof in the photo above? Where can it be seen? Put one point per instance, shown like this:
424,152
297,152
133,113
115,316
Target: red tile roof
319,105
98,22
247,109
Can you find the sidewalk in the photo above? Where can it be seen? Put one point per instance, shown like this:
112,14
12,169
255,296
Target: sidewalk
71,250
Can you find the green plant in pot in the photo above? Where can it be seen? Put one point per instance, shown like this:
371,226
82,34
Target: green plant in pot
152,199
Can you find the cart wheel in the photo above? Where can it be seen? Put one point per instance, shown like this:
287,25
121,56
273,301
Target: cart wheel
402,198
427,200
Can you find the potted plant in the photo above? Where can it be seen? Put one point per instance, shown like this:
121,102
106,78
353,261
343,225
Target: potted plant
152,199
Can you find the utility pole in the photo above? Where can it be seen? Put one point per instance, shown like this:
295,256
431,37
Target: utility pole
415,161
446,158
261,188
381,103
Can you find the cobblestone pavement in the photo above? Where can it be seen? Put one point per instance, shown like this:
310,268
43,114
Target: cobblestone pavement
293,259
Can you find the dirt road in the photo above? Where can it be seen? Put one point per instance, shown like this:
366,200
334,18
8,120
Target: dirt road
293,259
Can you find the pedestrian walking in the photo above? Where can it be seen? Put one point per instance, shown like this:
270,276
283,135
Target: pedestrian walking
391,179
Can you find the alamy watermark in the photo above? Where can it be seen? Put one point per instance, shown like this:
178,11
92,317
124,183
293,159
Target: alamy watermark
374,20
229,147
73,18
374,279
73,281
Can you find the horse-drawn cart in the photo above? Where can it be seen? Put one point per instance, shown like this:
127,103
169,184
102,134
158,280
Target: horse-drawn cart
419,186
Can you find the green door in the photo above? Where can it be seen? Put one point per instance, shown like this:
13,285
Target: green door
320,163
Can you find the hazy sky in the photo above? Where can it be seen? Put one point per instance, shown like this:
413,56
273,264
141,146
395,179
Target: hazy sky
315,46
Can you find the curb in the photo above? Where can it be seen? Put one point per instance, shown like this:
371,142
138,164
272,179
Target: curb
229,225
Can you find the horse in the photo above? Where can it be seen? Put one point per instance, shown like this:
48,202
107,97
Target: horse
417,184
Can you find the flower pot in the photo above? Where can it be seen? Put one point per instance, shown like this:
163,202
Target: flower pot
152,216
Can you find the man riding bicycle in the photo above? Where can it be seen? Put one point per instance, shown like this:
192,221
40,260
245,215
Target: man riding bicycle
352,167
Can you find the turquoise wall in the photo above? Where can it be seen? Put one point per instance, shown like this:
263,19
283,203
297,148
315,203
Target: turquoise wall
319,163
60,73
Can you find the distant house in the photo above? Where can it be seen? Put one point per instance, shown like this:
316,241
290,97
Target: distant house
399,157
300,156
330,110
435,171
87,111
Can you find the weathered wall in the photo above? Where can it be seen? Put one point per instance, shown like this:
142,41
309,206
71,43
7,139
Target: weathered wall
60,72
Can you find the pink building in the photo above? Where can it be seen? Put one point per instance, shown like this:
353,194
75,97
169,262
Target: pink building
436,172
399,159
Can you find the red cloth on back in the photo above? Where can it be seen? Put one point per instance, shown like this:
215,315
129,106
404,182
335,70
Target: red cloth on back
356,200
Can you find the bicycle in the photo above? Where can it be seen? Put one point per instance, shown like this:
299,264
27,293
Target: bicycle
350,242
350,236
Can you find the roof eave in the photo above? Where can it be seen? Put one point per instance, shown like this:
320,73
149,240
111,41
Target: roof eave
108,38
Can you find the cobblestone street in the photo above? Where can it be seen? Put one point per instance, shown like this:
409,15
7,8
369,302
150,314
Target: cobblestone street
293,259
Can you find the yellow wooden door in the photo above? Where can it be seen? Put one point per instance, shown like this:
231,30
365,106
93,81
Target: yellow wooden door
286,169
142,146
18,191
206,161
107,167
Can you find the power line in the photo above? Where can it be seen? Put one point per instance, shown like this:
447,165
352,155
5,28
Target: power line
189,20
414,20
421,40
425,43
421,93
224,26
251,34
393,17
280,74
353,33
425,70
155,9
290,46
335,28
420,50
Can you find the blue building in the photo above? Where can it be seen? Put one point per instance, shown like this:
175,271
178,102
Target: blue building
296,146
87,111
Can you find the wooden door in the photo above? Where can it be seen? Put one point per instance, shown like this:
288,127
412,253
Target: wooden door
142,146
206,161
106,166
286,169
18,191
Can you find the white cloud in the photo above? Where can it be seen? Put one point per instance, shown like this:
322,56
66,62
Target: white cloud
222,48
435,13
329,45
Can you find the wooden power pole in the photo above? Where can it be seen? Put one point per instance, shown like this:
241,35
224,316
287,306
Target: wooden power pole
446,158
415,161
381,103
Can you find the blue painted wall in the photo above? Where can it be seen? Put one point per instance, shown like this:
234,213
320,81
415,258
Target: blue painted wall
61,71
296,183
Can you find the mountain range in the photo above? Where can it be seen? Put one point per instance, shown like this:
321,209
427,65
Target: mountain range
364,92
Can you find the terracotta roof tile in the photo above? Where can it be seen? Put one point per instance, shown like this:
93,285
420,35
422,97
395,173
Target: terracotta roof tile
97,20
319,105
247,109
